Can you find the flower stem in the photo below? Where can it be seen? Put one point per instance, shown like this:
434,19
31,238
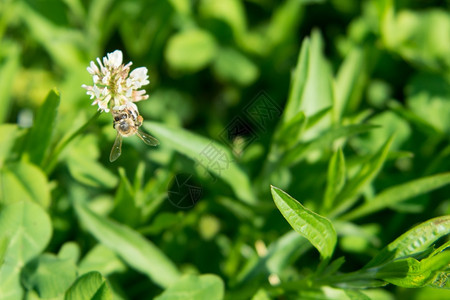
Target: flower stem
52,159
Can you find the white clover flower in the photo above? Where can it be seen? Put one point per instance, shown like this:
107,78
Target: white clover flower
113,81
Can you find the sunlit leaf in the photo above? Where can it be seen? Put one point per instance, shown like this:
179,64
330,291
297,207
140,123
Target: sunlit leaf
134,249
411,273
90,286
193,287
317,229
413,241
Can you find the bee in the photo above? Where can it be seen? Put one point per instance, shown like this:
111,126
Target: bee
127,122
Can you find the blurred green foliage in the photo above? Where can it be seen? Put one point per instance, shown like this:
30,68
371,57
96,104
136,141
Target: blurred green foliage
342,106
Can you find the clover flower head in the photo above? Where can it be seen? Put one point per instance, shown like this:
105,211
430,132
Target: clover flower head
113,82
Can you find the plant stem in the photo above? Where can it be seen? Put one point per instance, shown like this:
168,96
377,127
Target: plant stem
52,159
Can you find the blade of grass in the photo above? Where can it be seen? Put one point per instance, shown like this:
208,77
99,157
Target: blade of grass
399,193
134,249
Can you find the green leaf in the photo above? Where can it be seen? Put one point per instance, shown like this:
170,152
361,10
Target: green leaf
27,229
202,150
39,136
410,273
349,83
298,81
194,287
413,241
393,195
190,50
318,85
23,181
49,275
90,286
349,194
335,179
317,229
231,65
134,249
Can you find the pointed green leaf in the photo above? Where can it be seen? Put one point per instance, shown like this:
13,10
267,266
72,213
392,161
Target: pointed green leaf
297,82
349,194
90,286
399,193
410,273
194,287
134,249
335,178
349,83
211,155
39,136
413,241
317,229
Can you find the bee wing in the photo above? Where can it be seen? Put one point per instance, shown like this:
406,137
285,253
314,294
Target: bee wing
116,149
147,138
